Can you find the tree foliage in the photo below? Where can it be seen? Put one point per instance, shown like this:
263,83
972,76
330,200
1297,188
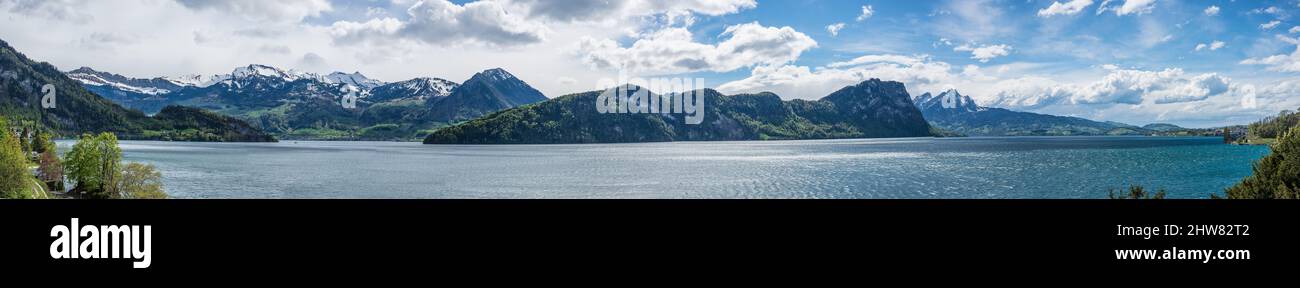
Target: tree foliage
141,181
50,170
93,164
14,177
1277,175
1272,127
873,109
81,111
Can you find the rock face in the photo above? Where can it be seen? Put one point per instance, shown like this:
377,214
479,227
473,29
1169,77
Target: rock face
881,108
871,109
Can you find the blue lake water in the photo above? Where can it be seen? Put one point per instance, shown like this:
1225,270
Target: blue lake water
1022,167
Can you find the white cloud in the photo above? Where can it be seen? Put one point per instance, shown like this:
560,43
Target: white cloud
1270,10
1212,10
606,10
867,12
974,20
1159,87
1281,62
1294,30
260,10
1027,92
1118,87
1270,25
1133,7
1216,45
985,53
673,50
65,10
1069,8
441,22
802,82
834,29
1118,94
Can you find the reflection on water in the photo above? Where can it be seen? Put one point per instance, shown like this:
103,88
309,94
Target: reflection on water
1029,167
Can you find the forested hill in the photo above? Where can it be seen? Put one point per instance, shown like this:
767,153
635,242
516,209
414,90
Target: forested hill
77,111
870,109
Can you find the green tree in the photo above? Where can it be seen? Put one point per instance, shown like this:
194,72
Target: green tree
14,177
42,142
93,164
50,170
141,181
1277,175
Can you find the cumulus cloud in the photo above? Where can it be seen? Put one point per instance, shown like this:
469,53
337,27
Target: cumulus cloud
1118,86
985,53
1130,7
1216,45
1028,92
1281,62
260,10
673,50
867,12
1212,10
1294,30
441,22
803,82
1069,8
834,29
1160,87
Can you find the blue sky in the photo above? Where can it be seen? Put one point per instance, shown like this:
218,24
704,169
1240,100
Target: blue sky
1193,63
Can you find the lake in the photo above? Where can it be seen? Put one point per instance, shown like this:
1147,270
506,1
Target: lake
925,168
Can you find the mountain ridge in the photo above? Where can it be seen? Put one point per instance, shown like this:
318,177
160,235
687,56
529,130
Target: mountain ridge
959,113
871,109
77,110
303,105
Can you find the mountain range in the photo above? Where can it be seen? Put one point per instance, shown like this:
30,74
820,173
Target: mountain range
24,84
958,113
870,109
336,106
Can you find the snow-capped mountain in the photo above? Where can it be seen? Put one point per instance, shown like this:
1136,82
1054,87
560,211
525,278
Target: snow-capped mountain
155,86
195,80
496,74
488,91
949,101
959,113
418,88
355,79
286,102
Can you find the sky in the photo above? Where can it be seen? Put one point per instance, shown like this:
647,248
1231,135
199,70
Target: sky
1192,63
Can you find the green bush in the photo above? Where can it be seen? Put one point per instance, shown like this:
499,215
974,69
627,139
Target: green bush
1277,175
